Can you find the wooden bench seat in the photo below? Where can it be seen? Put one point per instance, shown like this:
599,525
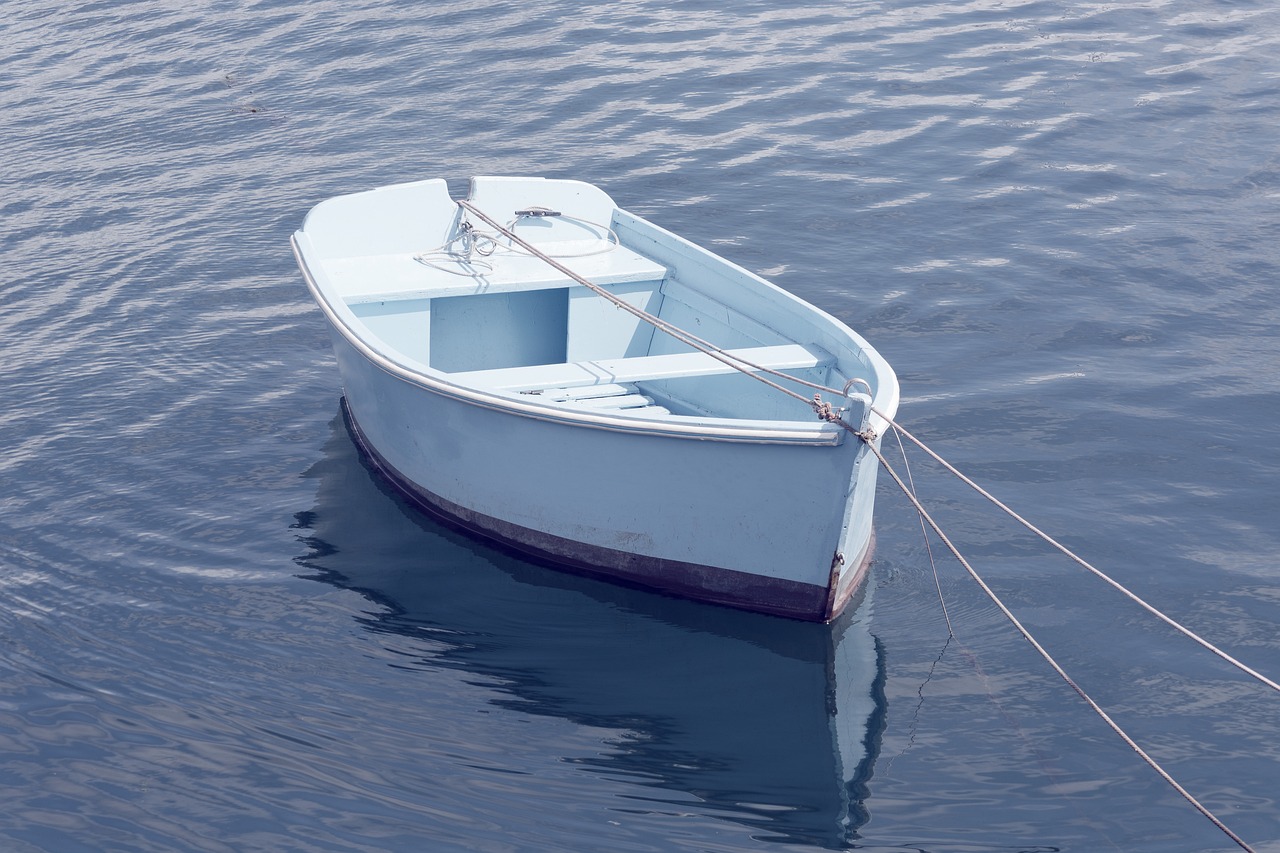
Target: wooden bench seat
622,371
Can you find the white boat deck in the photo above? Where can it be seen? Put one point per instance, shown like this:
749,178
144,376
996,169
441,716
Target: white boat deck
383,278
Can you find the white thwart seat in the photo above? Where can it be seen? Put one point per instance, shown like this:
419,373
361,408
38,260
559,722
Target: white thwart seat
604,397
623,371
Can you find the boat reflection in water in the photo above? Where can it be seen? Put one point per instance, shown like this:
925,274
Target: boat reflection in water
770,722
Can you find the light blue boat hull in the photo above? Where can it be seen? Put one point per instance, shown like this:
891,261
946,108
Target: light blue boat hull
740,506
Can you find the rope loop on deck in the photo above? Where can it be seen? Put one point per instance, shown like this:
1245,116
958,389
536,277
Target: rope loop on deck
459,252
457,255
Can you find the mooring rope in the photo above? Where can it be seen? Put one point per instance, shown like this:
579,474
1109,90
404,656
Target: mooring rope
937,582
1182,629
1062,673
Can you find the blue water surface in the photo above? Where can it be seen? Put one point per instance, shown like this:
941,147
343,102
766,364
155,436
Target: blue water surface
1059,221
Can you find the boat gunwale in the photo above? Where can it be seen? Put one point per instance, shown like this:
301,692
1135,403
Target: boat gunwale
819,434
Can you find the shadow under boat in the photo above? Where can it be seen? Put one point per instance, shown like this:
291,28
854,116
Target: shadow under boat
770,722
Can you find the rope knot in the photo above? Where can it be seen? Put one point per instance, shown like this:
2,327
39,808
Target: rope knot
824,411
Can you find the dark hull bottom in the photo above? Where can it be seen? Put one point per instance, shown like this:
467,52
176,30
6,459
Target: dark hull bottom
775,596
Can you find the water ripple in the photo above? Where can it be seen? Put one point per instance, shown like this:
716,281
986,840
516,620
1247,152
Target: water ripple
1057,221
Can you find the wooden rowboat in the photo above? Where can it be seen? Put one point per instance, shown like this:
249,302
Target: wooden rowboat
566,378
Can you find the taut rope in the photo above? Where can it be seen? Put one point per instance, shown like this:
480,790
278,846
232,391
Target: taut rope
1097,709
1185,631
